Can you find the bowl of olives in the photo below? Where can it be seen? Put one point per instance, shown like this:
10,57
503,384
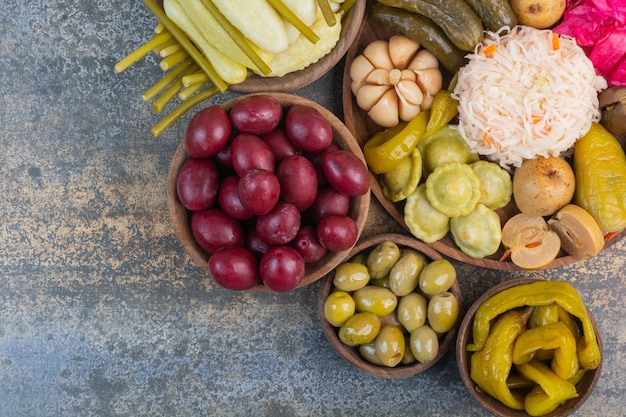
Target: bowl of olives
267,192
391,309
529,347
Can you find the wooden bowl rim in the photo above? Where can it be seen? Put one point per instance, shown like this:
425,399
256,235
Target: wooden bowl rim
351,354
446,245
359,206
589,381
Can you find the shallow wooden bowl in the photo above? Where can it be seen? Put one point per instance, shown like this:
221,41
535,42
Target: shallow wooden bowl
364,128
359,206
585,387
351,354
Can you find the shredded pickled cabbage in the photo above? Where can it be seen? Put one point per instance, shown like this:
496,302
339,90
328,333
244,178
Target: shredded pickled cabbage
526,93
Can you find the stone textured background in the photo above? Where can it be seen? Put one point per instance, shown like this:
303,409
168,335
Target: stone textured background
102,313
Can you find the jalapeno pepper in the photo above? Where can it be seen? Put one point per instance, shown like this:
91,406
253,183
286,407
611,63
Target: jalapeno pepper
554,336
490,367
386,149
537,294
550,392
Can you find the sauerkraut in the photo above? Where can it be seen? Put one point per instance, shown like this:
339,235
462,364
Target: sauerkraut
526,93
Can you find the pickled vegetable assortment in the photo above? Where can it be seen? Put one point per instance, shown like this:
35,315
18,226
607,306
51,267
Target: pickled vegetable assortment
393,304
539,333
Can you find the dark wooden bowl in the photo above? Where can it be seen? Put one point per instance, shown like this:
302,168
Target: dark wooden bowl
359,206
351,354
585,387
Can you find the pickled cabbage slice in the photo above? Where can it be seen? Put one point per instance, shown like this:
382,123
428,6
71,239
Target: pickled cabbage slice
479,233
496,187
453,189
423,220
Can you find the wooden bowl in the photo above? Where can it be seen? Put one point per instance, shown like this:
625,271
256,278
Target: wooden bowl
364,128
359,206
351,354
584,387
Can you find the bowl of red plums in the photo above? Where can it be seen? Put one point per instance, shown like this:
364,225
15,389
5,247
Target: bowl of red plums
267,192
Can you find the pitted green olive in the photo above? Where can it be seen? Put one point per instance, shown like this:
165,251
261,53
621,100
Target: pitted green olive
368,352
359,258
424,344
360,328
378,300
380,282
408,357
351,276
412,311
405,251
436,277
443,311
390,345
382,259
404,276
338,307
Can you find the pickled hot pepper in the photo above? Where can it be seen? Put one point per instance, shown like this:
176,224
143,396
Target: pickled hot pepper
539,293
550,392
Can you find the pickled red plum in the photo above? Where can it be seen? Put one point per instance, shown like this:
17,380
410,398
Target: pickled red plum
207,133
346,173
197,184
337,233
259,191
234,268
280,144
298,181
257,114
329,201
212,230
280,226
308,129
249,152
308,245
281,268
229,200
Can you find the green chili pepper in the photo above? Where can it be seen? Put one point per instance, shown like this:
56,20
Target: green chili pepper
443,109
383,152
537,294
554,336
550,392
490,367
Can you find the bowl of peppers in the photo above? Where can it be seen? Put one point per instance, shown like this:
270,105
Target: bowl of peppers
529,347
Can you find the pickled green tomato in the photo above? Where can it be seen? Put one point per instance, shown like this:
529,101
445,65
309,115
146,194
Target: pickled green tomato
404,276
351,276
390,345
424,344
443,311
382,259
412,311
359,329
436,277
378,300
338,307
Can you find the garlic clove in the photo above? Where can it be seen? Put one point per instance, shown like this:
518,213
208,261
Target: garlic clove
369,94
385,111
360,68
377,53
430,80
423,60
410,92
427,102
378,76
356,86
402,50
406,110
408,75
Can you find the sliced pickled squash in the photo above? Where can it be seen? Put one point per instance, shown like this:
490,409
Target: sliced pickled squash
453,189
579,232
496,186
479,233
423,220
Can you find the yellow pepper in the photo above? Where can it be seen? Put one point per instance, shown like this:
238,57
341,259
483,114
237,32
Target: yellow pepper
443,109
600,171
554,336
385,150
537,294
550,392
490,367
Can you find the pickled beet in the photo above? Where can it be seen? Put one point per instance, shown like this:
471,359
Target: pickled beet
212,230
281,268
234,268
208,132
337,233
256,114
197,184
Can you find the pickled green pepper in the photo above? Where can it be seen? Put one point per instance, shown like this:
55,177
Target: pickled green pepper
550,392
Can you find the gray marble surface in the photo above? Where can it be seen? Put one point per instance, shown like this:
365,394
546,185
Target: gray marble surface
102,313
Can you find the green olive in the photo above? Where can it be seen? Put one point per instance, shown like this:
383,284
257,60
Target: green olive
338,307
368,352
436,277
443,311
382,259
412,311
378,300
390,345
380,282
359,258
405,251
408,357
360,328
404,276
351,276
424,344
